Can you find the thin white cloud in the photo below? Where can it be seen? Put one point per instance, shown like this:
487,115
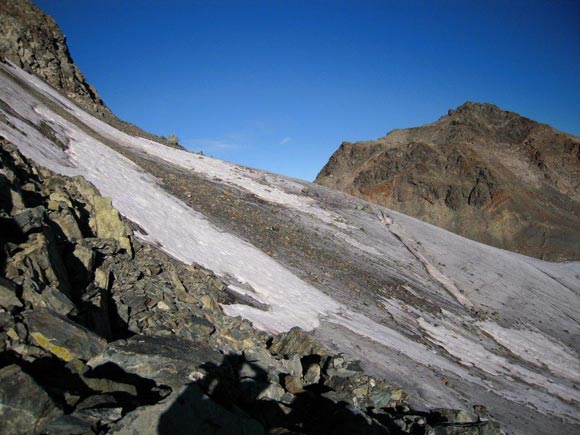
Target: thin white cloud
285,140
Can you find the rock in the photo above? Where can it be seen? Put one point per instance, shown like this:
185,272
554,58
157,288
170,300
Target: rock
107,223
341,366
312,375
166,360
30,219
102,278
66,222
25,408
260,357
293,366
379,396
61,337
292,384
8,298
272,392
483,428
453,415
49,297
209,303
295,341
163,306
39,259
80,263
173,140
187,410
71,424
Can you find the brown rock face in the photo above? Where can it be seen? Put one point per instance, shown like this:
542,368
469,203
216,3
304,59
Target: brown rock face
481,172
32,40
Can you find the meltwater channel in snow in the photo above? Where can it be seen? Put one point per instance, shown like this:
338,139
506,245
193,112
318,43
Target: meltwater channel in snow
528,358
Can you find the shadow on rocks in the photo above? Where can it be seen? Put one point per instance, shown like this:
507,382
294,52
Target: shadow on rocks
239,397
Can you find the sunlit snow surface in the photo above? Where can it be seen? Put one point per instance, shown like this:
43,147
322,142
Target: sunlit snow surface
523,359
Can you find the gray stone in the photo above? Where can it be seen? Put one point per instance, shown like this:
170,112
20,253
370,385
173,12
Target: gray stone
292,366
453,415
166,360
272,392
71,424
312,375
8,298
67,223
295,341
187,410
49,297
483,428
25,408
80,263
61,337
30,219
39,259
292,384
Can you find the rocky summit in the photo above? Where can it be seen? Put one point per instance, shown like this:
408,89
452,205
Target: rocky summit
484,173
146,289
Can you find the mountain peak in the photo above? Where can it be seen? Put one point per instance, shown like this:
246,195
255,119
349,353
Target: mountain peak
485,110
475,167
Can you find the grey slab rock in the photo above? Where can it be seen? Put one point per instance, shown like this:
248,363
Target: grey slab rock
166,360
30,219
25,408
8,298
61,337
187,410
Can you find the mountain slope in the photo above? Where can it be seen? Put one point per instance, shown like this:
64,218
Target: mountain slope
481,172
455,322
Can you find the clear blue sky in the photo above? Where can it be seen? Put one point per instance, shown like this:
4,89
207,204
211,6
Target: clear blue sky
278,84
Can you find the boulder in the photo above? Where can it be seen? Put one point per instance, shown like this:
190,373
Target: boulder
25,408
8,298
61,337
107,223
166,360
39,259
295,341
30,219
187,410
453,415
66,222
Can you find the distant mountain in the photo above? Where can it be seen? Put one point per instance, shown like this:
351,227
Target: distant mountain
33,40
484,173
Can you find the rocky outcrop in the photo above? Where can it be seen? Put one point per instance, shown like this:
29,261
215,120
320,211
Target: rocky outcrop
100,334
481,172
33,40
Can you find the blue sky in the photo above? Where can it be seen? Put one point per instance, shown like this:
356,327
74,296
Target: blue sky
279,84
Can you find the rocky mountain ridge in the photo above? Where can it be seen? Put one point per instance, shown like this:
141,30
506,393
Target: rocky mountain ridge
481,172
33,40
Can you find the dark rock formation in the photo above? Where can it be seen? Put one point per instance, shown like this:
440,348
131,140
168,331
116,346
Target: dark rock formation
481,172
